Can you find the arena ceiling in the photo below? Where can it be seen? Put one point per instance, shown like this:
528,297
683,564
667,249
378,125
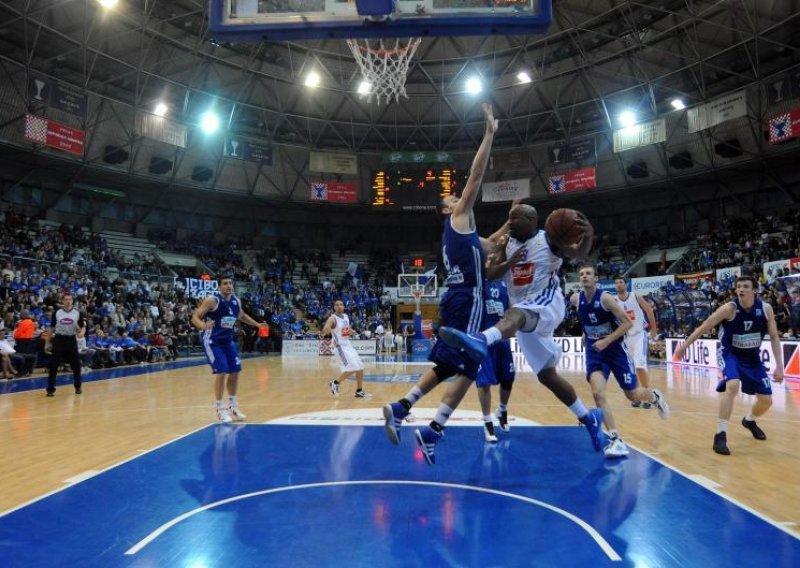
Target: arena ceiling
599,58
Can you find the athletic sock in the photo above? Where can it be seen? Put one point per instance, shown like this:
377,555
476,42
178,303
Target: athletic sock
578,409
750,417
487,418
413,396
502,407
443,415
613,433
722,426
232,401
219,404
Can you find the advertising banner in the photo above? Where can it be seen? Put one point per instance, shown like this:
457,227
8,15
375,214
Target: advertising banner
784,127
650,284
703,353
772,268
330,192
717,111
640,135
200,288
249,150
574,152
317,348
730,273
506,190
576,180
695,277
161,129
418,158
52,134
333,163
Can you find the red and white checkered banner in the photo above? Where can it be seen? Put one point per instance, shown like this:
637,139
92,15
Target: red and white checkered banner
52,134
575,180
784,127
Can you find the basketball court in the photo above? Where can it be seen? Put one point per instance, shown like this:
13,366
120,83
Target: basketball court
140,476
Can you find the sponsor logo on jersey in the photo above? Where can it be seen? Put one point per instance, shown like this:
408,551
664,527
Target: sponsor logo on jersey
522,273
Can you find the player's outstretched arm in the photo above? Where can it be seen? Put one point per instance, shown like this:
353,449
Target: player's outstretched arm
726,312
649,313
775,343
243,317
479,164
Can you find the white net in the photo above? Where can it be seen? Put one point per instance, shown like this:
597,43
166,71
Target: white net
384,65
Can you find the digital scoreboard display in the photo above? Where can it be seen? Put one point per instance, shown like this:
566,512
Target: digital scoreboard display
415,189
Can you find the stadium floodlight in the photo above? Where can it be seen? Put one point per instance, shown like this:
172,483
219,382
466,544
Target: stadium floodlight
678,104
524,77
474,85
209,122
312,79
364,87
107,3
161,109
627,118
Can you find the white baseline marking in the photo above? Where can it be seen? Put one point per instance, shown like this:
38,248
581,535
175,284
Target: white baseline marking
601,542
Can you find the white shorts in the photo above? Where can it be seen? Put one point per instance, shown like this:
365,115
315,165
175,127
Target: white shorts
537,346
350,359
6,347
638,347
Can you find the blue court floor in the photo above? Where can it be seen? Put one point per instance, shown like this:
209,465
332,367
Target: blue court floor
274,495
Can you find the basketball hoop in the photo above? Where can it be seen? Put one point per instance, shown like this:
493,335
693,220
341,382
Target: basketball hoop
416,291
384,66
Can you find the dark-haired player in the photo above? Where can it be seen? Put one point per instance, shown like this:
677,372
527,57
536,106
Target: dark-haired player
530,264
216,317
743,323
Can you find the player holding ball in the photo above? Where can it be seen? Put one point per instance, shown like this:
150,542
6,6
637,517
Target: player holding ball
532,258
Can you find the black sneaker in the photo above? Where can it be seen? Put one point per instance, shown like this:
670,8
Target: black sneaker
721,443
51,394
636,404
78,391
502,419
757,432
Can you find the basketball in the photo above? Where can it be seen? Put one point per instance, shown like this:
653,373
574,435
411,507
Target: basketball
563,227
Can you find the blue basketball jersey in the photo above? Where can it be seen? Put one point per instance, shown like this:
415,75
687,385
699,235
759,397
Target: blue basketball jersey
224,317
495,301
463,258
742,336
597,322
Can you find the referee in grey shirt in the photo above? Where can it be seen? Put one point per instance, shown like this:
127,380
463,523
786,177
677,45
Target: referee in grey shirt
62,344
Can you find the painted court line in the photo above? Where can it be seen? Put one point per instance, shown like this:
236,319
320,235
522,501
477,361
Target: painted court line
82,476
601,542
777,525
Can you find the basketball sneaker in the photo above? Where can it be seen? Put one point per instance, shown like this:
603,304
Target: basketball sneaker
394,413
636,404
334,386
594,424
721,444
616,448
473,344
661,404
757,432
224,415
236,414
361,393
427,438
488,432
502,420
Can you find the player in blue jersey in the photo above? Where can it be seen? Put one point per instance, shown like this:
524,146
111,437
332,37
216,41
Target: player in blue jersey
216,317
743,324
463,252
604,324
498,366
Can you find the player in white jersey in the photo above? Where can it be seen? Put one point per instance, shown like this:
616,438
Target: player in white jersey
637,309
338,325
530,265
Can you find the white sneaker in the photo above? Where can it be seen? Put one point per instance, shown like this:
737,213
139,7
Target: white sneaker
237,414
224,415
661,404
616,448
334,387
488,432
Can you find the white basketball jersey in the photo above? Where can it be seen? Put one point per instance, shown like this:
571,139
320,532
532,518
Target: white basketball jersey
341,333
634,311
535,272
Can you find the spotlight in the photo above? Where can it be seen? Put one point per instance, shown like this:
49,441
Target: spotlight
523,77
678,104
474,85
160,110
364,87
209,122
312,79
627,118
107,3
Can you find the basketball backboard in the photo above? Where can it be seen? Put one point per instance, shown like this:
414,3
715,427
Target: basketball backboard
408,283
260,20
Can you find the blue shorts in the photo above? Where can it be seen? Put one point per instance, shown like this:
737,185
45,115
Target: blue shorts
222,356
460,308
498,367
613,359
752,374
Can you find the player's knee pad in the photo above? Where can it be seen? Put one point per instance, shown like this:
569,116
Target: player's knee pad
444,372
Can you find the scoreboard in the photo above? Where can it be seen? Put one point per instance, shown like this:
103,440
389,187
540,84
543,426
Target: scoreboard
415,189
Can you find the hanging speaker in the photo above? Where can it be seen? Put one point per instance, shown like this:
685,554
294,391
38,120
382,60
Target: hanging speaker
730,148
202,173
681,161
638,170
160,165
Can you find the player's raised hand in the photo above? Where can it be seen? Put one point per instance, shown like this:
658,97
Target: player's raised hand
492,124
